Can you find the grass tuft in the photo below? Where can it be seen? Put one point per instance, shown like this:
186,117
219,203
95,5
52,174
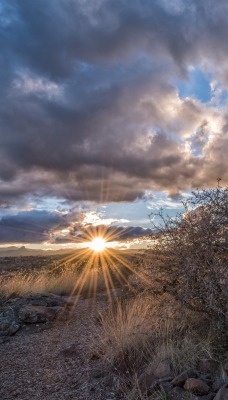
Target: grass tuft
142,332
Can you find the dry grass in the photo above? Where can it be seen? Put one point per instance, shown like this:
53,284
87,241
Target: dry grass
125,332
144,332
22,285
64,283
135,336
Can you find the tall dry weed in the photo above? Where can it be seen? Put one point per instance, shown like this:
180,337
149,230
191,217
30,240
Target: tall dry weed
145,332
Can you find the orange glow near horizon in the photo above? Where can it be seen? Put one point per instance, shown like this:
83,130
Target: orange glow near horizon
99,265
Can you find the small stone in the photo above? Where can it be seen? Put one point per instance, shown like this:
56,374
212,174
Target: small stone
162,369
180,379
146,380
16,393
206,366
166,387
206,378
176,393
152,377
13,328
196,386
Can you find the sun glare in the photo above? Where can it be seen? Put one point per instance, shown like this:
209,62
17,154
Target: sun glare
98,244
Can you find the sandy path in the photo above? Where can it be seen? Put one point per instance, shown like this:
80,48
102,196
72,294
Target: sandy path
53,364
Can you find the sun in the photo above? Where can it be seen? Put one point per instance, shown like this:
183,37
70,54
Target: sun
98,244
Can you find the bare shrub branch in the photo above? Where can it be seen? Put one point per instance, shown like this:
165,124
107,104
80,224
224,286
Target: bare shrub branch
192,253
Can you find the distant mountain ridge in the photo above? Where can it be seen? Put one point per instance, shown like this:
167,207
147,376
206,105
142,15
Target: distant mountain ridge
14,251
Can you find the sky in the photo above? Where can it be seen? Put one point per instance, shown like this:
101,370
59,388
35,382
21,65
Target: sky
109,110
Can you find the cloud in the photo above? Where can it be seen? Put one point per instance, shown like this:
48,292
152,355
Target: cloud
27,84
110,233
89,106
29,226
35,226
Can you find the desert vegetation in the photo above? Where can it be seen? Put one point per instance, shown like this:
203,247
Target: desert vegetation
181,317
147,339
71,275
192,254
166,330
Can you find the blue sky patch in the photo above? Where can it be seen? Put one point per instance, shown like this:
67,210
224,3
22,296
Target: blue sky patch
197,85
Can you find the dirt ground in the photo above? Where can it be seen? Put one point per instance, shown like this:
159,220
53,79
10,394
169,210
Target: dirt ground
55,363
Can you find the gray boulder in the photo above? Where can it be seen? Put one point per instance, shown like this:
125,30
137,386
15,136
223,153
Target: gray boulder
30,314
8,326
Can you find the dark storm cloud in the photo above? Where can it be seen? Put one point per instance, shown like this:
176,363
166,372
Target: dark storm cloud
29,226
130,233
54,227
50,36
88,107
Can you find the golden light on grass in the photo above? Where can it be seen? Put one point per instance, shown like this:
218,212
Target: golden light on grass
95,267
98,244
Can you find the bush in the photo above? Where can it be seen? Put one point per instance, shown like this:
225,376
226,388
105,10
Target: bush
192,253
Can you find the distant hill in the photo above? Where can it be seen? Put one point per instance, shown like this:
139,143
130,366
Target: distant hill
13,251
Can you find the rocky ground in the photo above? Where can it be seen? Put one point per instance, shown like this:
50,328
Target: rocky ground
46,359
47,353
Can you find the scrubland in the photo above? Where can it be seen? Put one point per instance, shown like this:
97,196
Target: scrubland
171,313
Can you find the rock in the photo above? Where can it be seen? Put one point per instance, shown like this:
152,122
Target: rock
180,379
206,378
166,387
152,377
196,386
36,314
222,393
206,366
16,393
209,396
162,369
176,393
146,380
13,328
8,327
46,300
225,368
218,383
158,385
